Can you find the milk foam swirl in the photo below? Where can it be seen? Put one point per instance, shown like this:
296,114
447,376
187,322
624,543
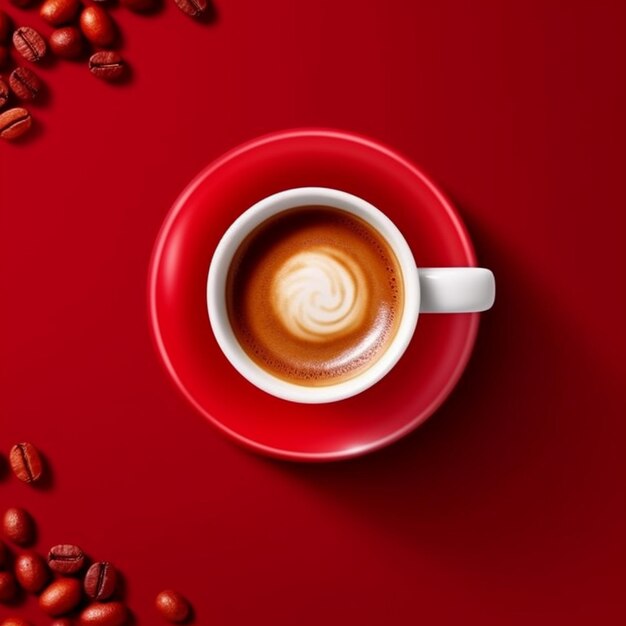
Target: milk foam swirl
319,294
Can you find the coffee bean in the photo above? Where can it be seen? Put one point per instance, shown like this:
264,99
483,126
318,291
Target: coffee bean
24,457
5,57
27,464
100,581
15,621
8,588
172,606
4,93
4,555
66,559
57,12
97,26
62,596
67,42
107,65
104,614
31,572
13,124
194,8
140,6
17,524
29,43
5,26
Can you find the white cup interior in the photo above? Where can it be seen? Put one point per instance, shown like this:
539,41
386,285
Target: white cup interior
216,293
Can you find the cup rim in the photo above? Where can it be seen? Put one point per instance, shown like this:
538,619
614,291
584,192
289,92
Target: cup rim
258,213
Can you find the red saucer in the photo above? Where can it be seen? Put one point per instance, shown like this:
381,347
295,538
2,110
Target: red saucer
408,395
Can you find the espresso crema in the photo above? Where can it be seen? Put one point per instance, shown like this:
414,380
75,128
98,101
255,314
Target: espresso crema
314,295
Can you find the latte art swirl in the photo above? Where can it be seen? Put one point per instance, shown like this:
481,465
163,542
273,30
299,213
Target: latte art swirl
319,294
314,296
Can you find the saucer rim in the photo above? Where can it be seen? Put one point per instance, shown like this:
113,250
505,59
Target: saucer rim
152,284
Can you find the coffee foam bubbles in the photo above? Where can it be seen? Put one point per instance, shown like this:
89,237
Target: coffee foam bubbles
319,294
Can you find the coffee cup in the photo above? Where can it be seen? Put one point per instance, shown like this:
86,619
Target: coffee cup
313,294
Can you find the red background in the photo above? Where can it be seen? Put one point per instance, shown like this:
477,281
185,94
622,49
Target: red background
508,506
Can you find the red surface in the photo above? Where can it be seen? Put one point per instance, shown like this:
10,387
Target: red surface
507,506
419,383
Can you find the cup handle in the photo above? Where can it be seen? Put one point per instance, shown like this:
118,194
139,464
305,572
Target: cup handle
456,289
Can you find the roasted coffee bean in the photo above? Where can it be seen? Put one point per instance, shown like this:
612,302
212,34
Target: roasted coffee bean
5,26
17,524
14,621
31,572
29,43
4,93
4,555
57,12
5,57
194,8
67,42
8,587
24,457
61,596
66,559
104,614
172,606
140,6
107,65
100,581
13,124
97,26
26,86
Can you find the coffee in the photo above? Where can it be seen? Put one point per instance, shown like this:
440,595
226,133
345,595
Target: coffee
66,559
14,123
58,12
194,8
98,26
61,596
104,614
30,44
66,42
100,581
107,65
31,572
172,606
26,462
314,296
25,84
19,526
